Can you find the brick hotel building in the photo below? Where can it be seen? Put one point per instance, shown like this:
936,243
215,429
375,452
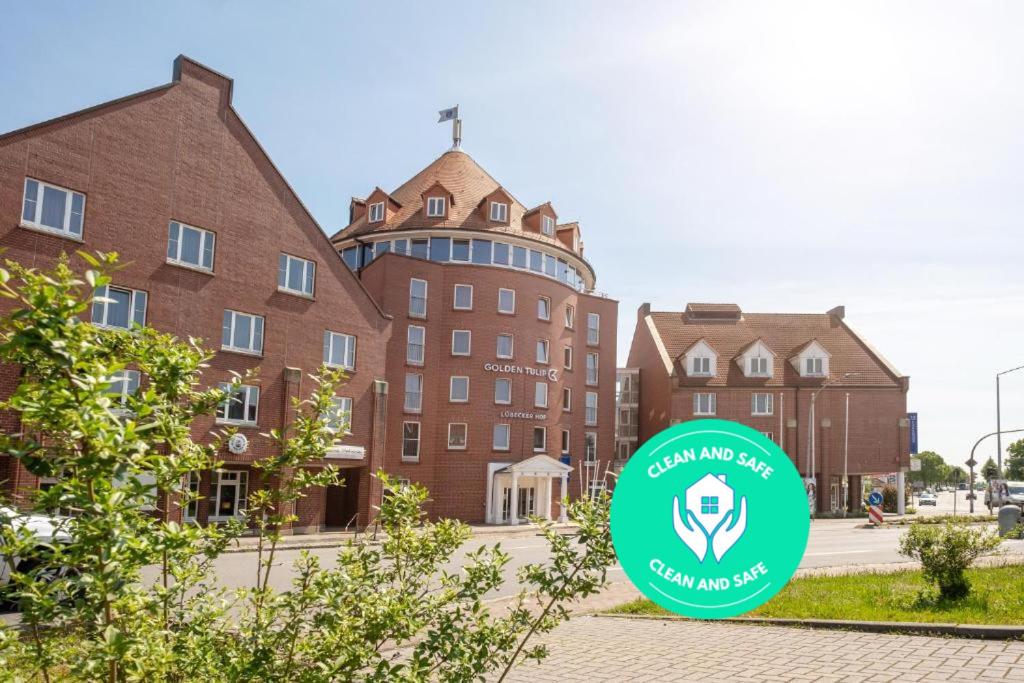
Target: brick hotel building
765,370
217,245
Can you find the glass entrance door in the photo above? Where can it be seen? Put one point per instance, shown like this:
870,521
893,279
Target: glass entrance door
527,502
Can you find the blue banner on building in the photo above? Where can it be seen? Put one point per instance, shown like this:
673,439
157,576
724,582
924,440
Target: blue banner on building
913,433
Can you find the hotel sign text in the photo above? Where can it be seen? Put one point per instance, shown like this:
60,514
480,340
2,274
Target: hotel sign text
508,369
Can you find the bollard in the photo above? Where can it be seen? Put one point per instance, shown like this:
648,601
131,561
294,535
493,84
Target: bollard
1009,517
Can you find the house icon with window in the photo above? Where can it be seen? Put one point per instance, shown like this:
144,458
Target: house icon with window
710,499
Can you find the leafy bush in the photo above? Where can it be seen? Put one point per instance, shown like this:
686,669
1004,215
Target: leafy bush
388,612
945,552
889,498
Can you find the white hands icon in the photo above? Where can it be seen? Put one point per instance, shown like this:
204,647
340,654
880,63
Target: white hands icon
690,531
729,531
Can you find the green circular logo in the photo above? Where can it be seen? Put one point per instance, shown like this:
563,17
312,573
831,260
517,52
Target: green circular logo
709,519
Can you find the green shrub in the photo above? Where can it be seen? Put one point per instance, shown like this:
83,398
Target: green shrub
889,498
945,552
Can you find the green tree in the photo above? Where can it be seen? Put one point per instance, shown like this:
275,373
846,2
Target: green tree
990,470
957,475
1015,461
386,612
933,469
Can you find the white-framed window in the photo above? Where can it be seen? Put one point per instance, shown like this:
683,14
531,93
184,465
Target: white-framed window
461,342
457,432
590,416
570,316
192,507
122,385
769,435
547,225
417,298
376,212
410,441
339,350
567,357
229,491
241,405
503,391
500,438
435,207
499,212
758,367
413,393
461,250
814,366
506,300
53,208
593,328
242,332
540,439
592,368
295,275
119,307
543,348
190,246
458,389
565,442
704,404
543,308
540,395
590,447
463,300
415,343
505,346
700,366
761,404
338,419
566,399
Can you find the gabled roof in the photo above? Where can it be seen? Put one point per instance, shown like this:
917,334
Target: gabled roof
536,209
697,343
751,345
538,464
808,345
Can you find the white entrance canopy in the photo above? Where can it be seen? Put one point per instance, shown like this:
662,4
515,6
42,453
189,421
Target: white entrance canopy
535,475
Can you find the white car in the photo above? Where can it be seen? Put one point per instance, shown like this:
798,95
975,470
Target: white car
46,530
928,499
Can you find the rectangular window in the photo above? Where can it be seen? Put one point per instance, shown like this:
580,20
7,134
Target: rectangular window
540,439
190,246
124,384
339,350
53,208
814,366
769,435
550,265
463,300
567,357
566,399
241,405
458,389
461,341
540,395
565,442
413,393
501,256
417,298
295,275
376,212
504,349
482,252
500,441
411,441
503,391
402,247
499,212
590,418
457,436
542,351
119,307
761,404
704,404
570,316
590,447
518,257
460,251
435,207
758,367
544,308
592,360
421,248
228,494
338,419
440,249
536,261
593,328
547,225
506,300
701,366
242,332
415,343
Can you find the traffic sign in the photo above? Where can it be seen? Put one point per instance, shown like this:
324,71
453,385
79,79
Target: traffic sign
875,515
915,464
971,463
874,498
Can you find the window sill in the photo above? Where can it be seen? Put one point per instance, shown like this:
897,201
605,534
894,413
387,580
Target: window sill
335,366
506,312
235,423
407,411
456,308
51,231
761,415
500,450
417,317
456,448
242,352
461,355
410,460
190,266
292,292
458,400
703,414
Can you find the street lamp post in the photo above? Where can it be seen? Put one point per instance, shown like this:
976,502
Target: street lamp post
972,462
811,430
999,436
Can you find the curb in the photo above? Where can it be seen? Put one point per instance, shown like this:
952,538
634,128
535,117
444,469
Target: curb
978,631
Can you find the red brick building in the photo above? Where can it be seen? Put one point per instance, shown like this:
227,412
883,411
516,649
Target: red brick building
767,370
502,359
216,245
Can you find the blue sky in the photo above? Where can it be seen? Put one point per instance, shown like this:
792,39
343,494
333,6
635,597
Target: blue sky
785,156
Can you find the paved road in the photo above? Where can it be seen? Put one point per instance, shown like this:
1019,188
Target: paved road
618,649
945,504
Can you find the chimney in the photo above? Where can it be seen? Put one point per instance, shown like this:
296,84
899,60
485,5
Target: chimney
643,311
838,312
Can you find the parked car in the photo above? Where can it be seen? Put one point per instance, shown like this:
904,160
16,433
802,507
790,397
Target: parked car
961,487
46,530
928,499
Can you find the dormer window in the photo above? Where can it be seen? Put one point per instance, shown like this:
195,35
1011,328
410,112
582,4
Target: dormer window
377,212
700,366
814,367
547,225
701,360
758,367
499,212
812,361
435,207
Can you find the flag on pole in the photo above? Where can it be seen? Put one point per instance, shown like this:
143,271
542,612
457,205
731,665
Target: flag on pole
448,114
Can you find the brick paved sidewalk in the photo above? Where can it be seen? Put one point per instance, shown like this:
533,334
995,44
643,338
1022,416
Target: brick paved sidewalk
590,648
